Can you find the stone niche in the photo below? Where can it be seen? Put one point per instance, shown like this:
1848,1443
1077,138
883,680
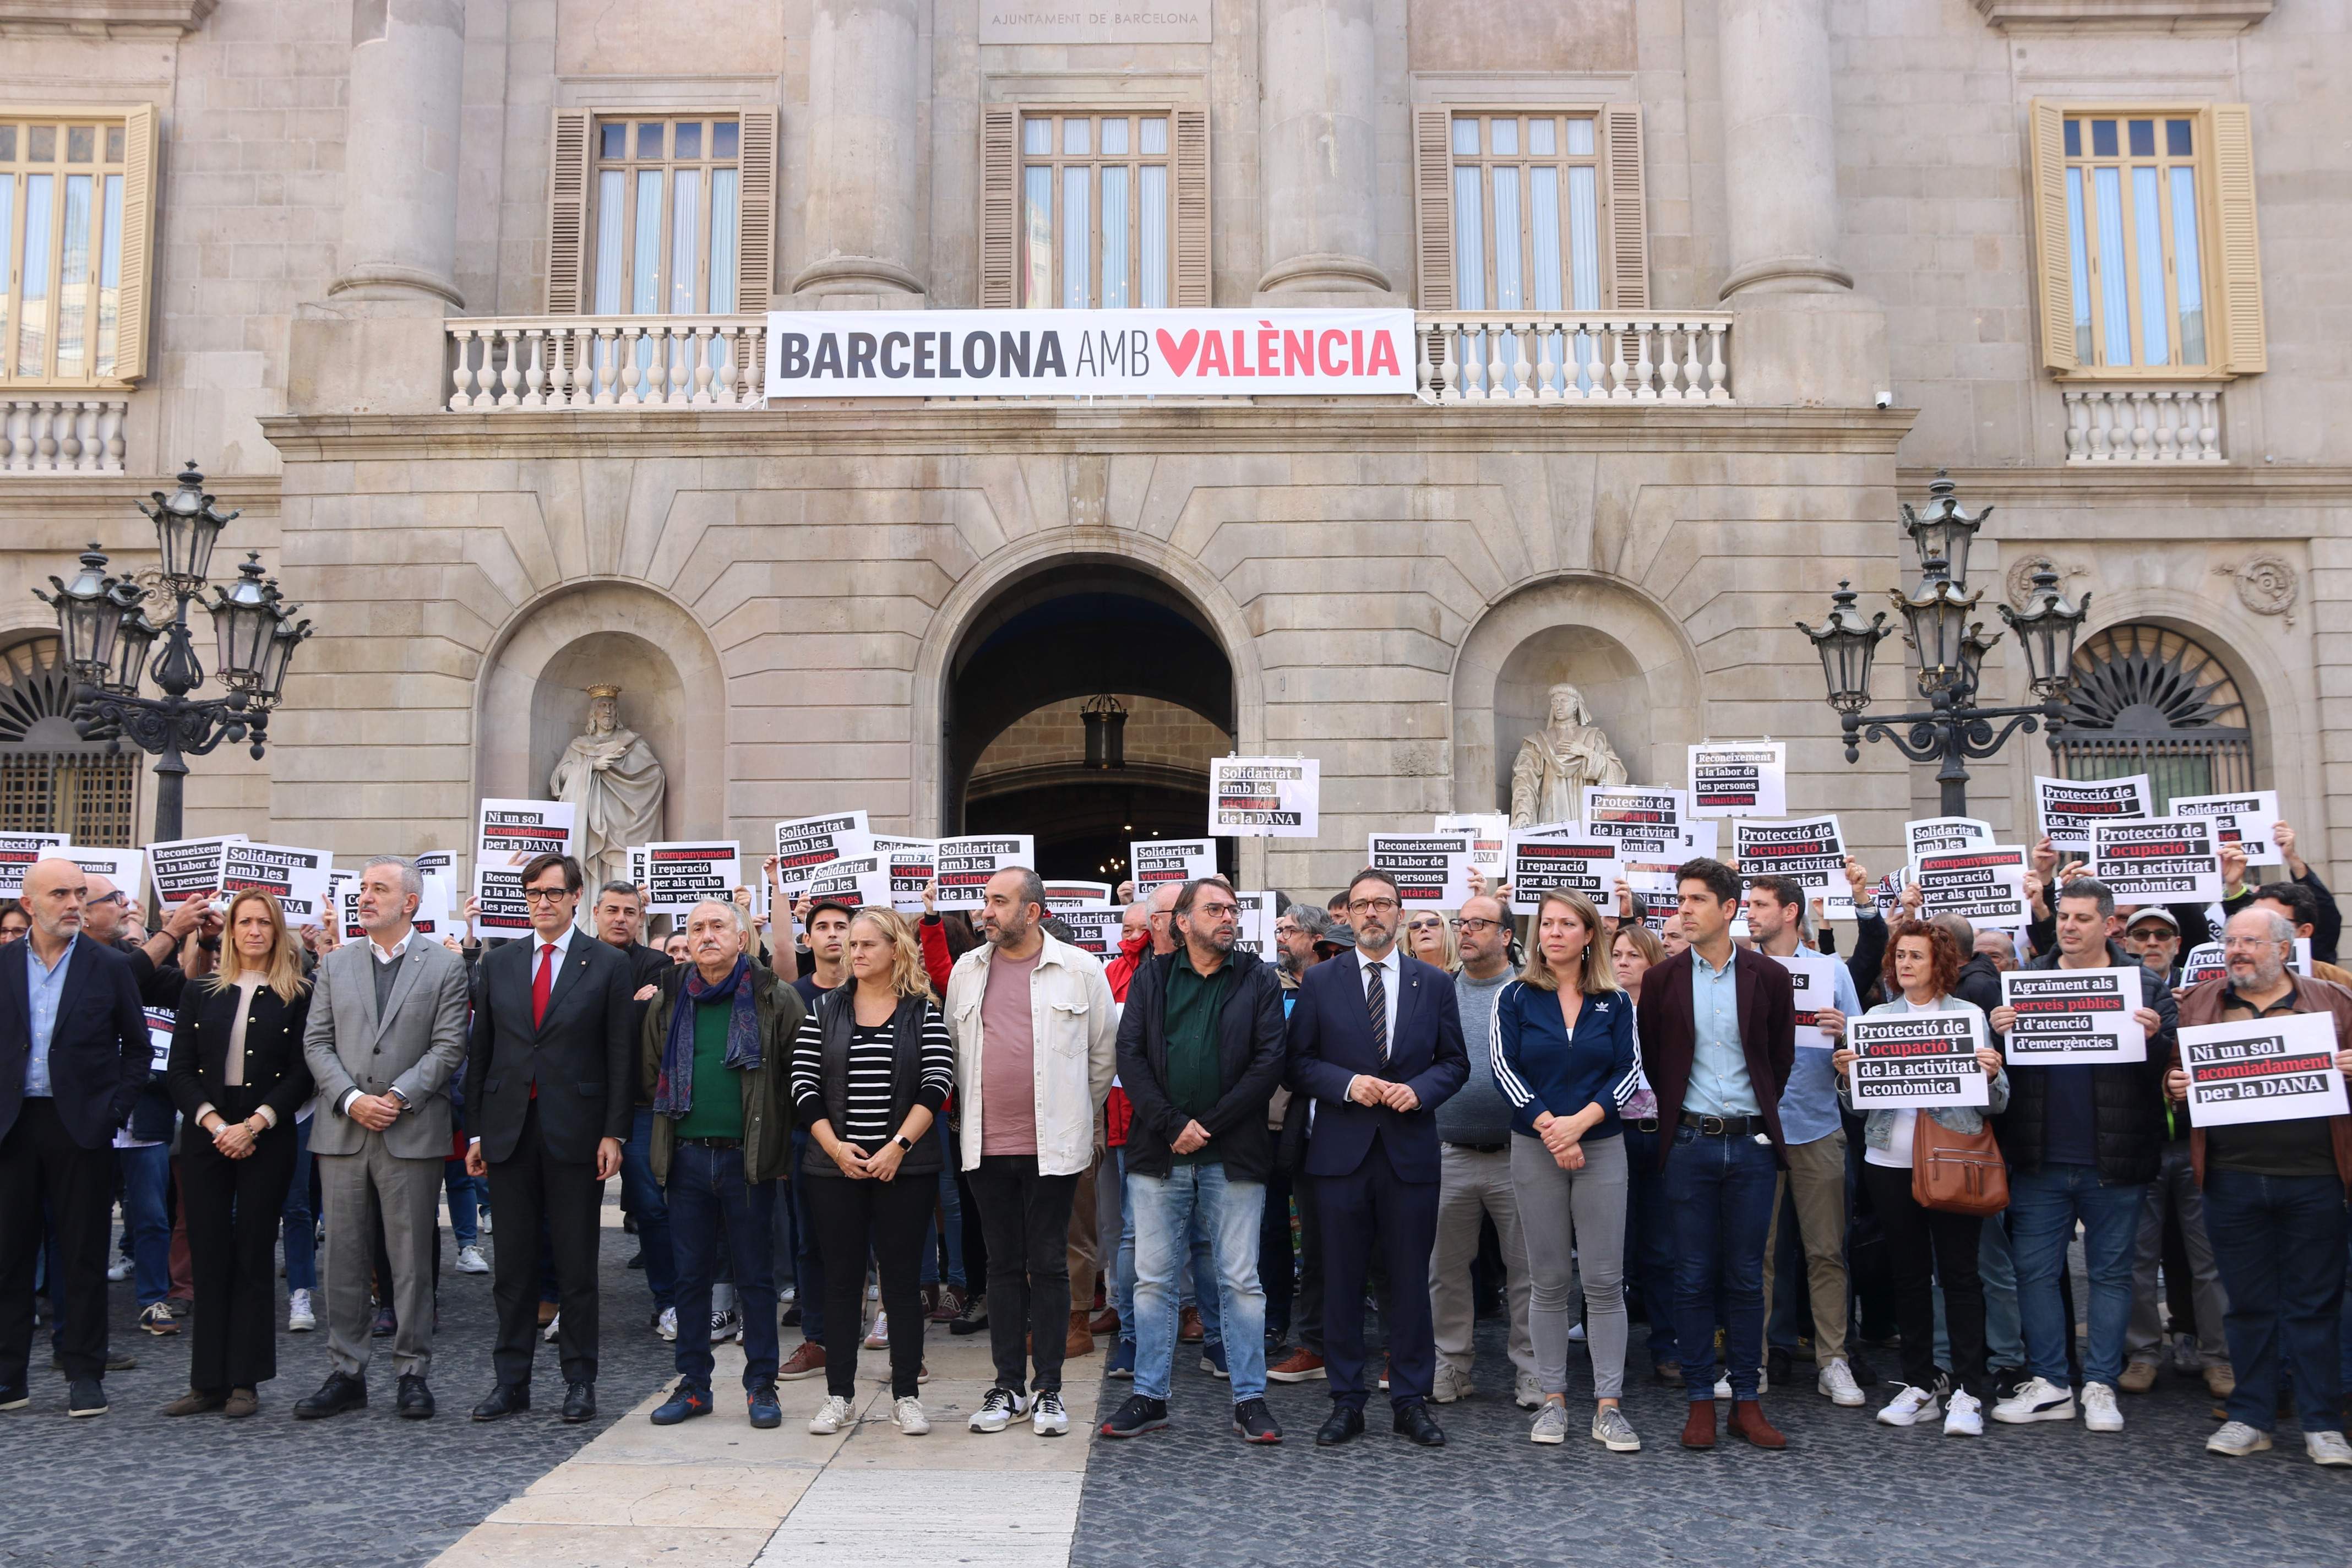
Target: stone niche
1570,37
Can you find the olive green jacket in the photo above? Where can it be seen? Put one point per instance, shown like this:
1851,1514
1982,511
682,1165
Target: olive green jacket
767,1090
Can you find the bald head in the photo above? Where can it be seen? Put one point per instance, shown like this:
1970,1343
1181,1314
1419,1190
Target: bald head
56,892
1163,915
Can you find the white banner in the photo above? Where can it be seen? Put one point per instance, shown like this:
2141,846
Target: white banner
1089,353
506,835
1810,850
965,864
1984,885
1654,831
862,879
1813,977
806,842
2164,860
1925,836
1489,832
181,867
680,875
2069,808
2206,962
19,851
1152,861
1266,797
297,878
1740,778
1924,1060
2243,821
1067,895
912,863
1432,870
2264,1070
1541,859
123,867
1095,930
1254,932
2074,1017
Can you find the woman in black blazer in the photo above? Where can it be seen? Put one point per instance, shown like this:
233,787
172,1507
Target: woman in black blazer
237,1073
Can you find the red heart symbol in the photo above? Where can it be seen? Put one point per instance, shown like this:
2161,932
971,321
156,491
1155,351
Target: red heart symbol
1179,353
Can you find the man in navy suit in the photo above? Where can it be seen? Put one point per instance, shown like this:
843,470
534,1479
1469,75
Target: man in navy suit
1376,1042
74,1054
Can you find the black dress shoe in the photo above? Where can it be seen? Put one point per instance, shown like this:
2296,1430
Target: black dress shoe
1414,1422
506,1399
579,1403
1347,1423
340,1393
414,1402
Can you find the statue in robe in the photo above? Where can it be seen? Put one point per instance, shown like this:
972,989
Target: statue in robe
1558,762
616,783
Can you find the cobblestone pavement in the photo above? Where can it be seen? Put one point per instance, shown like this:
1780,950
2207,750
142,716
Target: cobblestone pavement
1846,1491
133,1490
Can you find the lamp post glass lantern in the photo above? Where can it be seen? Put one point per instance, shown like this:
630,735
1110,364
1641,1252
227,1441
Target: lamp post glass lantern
103,623
1951,648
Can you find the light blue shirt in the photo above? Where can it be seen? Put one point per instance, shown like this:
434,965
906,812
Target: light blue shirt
1808,1106
44,987
1718,1079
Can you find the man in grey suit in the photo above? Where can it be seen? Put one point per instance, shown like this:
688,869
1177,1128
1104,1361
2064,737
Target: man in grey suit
386,1035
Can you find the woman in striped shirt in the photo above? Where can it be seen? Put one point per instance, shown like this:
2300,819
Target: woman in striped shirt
870,1070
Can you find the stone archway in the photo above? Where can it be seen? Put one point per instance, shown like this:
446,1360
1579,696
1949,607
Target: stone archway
532,696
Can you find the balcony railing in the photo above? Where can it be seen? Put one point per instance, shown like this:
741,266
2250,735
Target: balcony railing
61,435
719,362
2143,425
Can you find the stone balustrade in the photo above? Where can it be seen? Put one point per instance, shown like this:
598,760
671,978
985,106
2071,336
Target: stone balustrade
61,433
2140,424
1518,357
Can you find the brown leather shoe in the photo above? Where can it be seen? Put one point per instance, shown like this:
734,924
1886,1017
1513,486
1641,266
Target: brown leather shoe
242,1403
1188,1326
1082,1340
1748,1421
1104,1322
193,1403
807,1361
1298,1366
1698,1432
547,1311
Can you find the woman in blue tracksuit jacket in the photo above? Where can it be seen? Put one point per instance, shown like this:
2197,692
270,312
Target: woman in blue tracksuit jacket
1564,1057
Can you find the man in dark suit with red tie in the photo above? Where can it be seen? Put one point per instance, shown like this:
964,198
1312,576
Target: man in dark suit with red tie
548,1076
1376,1042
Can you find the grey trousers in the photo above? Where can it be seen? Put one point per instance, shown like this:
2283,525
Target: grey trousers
1470,1184
409,1193
2175,1189
1574,1223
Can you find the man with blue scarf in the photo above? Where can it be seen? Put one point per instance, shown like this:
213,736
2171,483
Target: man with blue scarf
716,1059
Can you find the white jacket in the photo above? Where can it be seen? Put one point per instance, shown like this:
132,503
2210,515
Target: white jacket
1075,1058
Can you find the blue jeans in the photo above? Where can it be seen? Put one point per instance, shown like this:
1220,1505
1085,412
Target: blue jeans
2279,1243
465,1197
951,1209
1165,1208
2043,1205
1121,1291
642,1196
709,1197
1649,1242
146,1219
1721,1192
1997,1266
301,1227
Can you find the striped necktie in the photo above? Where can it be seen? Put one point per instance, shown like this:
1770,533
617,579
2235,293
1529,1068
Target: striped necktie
1376,998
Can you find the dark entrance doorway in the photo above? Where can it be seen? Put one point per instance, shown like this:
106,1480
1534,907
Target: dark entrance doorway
1077,631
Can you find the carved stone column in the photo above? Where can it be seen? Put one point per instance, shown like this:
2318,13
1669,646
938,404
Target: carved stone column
865,82
1318,152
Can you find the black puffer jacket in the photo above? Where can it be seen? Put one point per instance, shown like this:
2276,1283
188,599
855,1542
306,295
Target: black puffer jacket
2127,1098
1250,1060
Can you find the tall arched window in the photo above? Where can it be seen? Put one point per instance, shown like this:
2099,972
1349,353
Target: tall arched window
2150,700
51,780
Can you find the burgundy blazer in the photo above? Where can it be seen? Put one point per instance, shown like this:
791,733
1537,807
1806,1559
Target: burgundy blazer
1767,1035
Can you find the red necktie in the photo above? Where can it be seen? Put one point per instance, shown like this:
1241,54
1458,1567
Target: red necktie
543,985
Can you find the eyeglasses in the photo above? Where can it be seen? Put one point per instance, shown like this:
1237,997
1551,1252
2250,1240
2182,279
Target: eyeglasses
544,895
1472,925
117,897
1372,907
1214,910
1432,924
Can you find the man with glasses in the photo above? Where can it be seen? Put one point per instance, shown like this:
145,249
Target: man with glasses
1376,1041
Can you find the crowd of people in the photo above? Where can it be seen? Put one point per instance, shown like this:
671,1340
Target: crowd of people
966,1120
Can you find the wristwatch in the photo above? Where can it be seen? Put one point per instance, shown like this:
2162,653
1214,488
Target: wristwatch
904,1145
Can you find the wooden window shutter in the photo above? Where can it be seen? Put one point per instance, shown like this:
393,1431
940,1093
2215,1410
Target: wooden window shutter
567,211
755,245
1000,204
2243,346
141,140
1192,281
1433,207
2052,248
1629,209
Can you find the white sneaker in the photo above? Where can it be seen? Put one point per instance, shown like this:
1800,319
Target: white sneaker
299,1318
481,1221
2099,1412
2327,1448
878,1338
907,1415
547,1335
2036,1399
2236,1440
1723,1386
1046,1417
1449,1384
667,1327
998,1409
788,1294
471,1261
119,1270
1526,1392
1837,1383
1550,1425
830,1416
1963,1415
1909,1405
1576,1333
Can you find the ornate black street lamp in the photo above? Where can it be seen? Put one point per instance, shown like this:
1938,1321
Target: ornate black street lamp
1951,648
102,622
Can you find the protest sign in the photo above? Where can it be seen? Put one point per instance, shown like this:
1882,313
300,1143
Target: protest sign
2205,961
437,869
1925,836
1740,778
1985,886
1095,930
2242,821
506,835
1068,894
123,867
1152,861
1652,830
2074,1017
181,868
964,865
161,1023
19,851
1432,870
681,874
1540,859
1265,797
912,863
1920,1060
2069,808
1810,850
862,880
2264,1070
806,842
1254,932
1813,977
1488,831
2164,860
297,878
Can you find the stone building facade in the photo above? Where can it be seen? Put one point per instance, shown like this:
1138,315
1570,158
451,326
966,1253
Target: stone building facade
400,275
